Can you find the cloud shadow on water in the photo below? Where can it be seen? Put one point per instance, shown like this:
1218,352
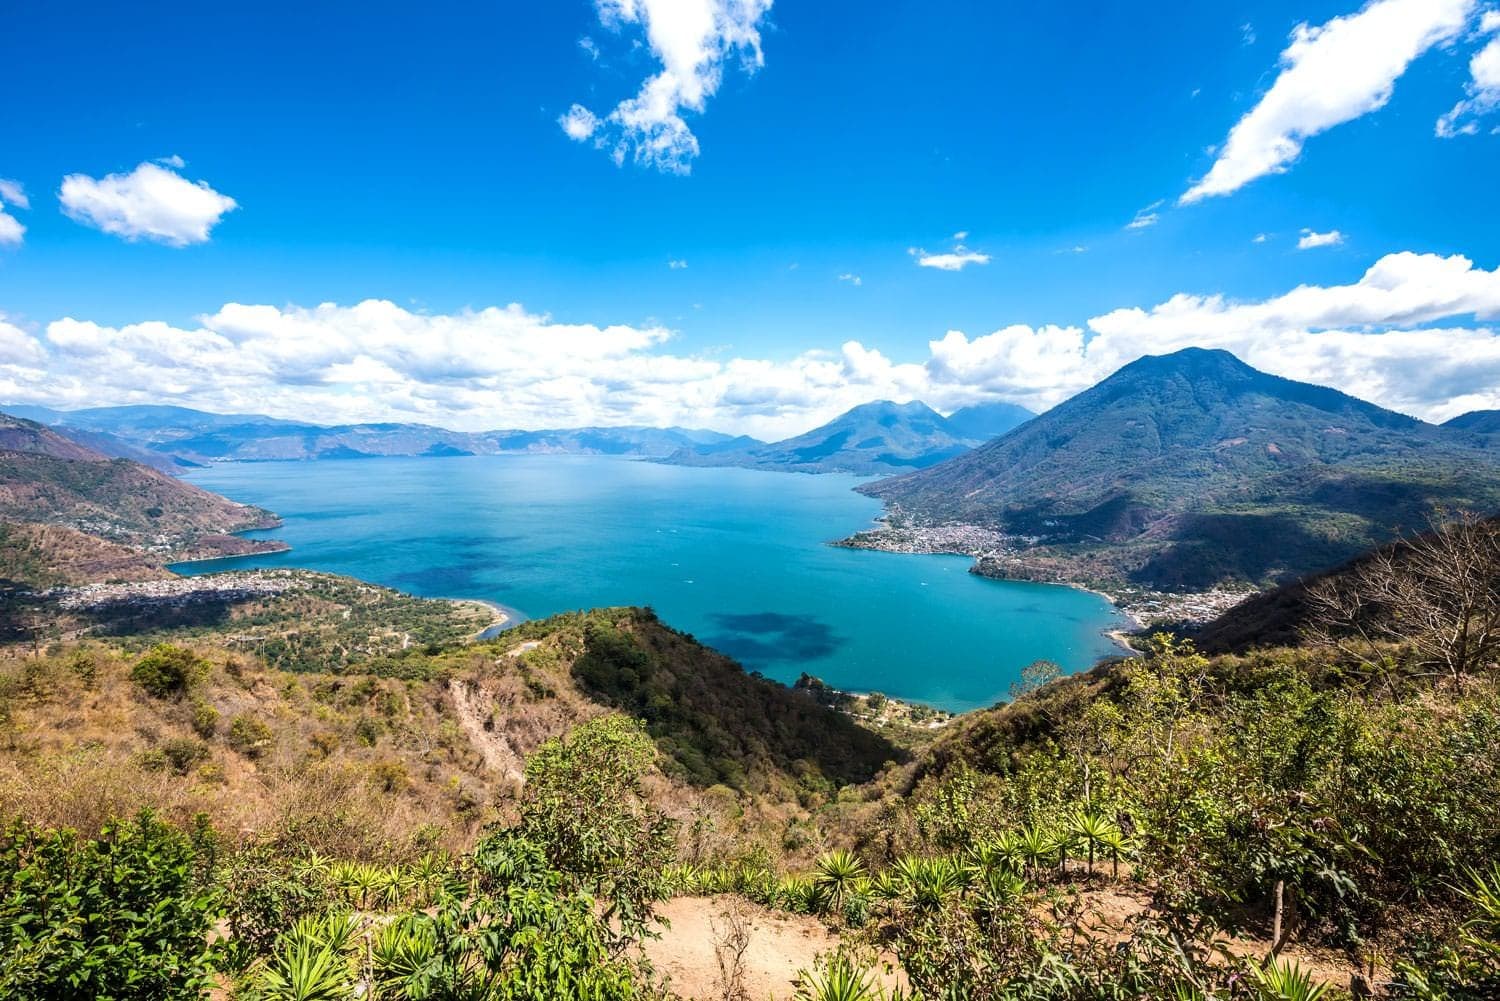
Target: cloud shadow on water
762,638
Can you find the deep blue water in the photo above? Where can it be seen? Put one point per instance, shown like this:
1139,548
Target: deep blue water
736,557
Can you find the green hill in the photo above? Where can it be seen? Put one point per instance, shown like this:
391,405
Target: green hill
1190,469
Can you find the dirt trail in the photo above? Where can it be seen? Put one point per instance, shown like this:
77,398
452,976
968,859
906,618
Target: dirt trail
780,946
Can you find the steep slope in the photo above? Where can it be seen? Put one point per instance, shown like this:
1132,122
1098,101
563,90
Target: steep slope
1189,469
47,479
984,421
870,439
432,733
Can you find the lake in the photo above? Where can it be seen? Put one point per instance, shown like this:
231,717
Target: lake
736,557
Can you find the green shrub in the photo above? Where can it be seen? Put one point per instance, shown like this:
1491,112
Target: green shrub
249,736
167,671
182,753
122,916
205,719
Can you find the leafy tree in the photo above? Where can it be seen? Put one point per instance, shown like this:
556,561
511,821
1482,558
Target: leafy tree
585,805
125,915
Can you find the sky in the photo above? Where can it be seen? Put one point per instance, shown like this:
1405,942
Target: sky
740,214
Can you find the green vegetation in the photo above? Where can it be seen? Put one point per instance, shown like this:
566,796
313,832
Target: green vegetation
1190,469
508,819
168,671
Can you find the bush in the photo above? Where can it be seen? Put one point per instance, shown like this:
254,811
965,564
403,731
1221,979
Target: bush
249,736
205,719
167,671
182,753
123,916
585,805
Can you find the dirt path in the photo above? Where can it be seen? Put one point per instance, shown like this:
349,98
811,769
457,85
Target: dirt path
780,945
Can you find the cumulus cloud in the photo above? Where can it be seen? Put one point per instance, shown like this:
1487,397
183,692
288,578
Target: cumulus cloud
11,230
1330,74
1415,332
691,40
152,202
677,264
851,278
1483,88
1311,239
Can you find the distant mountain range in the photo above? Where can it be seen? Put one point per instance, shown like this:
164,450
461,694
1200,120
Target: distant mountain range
871,439
1191,469
178,437
71,512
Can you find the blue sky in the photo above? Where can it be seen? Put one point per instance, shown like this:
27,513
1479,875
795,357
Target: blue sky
414,155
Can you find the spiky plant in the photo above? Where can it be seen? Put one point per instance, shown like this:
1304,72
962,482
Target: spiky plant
932,882
310,962
1090,827
839,981
837,874
1286,981
1036,847
399,954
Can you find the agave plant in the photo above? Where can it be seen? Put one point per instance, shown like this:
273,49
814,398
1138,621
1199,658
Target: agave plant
311,962
886,886
839,981
1093,829
838,874
393,887
401,951
932,882
1036,847
1278,981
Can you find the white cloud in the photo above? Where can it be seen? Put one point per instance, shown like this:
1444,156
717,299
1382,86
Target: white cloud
692,40
151,202
579,122
588,45
1311,239
957,259
11,230
677,265
1483,88
852,279
1330,75
1415,332
12,193
1148,216
1260,238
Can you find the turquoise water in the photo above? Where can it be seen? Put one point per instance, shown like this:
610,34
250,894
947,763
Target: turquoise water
736,557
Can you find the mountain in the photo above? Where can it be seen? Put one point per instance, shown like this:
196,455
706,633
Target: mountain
984,421
102,509
1477,421
872,438
1190,469
177,437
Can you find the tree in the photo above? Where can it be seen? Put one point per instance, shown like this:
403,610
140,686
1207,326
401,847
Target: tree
585,804
1437,594
167,671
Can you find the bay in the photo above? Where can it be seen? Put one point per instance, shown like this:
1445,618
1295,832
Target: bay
737,557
